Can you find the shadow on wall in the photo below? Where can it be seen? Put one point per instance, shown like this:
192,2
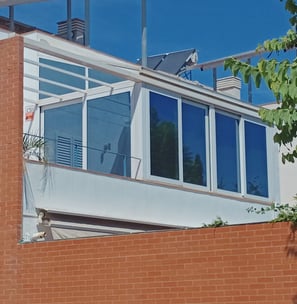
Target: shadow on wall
291,247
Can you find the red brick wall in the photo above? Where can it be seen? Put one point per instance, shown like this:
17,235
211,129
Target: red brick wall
239,264
11,106
236,264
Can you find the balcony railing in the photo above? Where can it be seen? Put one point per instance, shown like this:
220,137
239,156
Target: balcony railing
72,153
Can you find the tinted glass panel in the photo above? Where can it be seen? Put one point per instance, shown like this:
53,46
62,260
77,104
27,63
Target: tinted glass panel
99,75
194,155
109,134
256,159
164,136
227,153
63,135
60,77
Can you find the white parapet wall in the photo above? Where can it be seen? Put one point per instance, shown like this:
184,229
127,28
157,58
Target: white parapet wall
80,192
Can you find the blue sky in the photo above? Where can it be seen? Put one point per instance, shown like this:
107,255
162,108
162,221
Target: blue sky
215,28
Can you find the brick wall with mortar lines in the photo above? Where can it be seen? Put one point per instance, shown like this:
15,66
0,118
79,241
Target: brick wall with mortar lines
236,264
11,126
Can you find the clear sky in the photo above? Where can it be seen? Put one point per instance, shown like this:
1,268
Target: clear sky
215,28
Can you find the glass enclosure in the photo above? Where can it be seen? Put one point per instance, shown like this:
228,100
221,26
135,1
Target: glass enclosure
180,143
178,135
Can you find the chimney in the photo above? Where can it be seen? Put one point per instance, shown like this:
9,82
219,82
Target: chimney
77,29
229,86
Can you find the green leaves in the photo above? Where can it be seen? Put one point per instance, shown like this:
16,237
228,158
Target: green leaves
291,7
284,213
218,222
281,79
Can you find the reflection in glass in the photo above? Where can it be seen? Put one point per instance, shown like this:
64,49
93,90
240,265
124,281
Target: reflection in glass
227,153
163,136
63,135
109,134
256,159
194,154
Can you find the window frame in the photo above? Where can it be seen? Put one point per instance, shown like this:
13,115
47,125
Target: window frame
179,100
269,162
207,147
214,169
93,93
210,136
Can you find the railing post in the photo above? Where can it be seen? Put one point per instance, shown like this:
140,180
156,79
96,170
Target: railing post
69,20
144,35
214,78
87,23
125,166
11,18
250,93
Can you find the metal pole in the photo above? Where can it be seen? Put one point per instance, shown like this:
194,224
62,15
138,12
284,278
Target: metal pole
69,25
250,88
11,18
87,22
144,35
214,79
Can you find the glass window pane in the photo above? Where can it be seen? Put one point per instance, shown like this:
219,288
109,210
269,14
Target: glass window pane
164,136
227,153
109,134
256,159
101,76
63,135
60,77
194,146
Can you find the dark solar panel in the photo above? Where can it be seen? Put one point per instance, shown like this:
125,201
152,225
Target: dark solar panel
173,63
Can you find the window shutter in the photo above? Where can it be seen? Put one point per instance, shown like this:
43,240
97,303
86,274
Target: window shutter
68,151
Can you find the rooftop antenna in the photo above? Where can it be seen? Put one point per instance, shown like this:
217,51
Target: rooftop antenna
144,35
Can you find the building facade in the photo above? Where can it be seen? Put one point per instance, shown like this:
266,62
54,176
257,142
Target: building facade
108,142
94,146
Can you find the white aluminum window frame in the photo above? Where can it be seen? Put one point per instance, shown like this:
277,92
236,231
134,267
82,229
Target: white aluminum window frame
211,160
95,93
179,181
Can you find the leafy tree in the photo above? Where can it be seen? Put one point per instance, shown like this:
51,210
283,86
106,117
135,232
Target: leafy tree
281,78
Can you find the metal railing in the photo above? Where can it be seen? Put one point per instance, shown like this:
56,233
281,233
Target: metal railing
74,154
207,73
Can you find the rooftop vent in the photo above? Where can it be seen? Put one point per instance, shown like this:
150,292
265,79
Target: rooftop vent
77,30
230,86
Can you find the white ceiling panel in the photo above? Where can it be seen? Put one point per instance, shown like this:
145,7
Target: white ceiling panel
16,2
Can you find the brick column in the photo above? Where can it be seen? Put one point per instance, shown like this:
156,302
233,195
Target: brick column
11,163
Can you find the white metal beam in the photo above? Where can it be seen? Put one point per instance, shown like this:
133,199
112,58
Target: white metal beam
4,3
